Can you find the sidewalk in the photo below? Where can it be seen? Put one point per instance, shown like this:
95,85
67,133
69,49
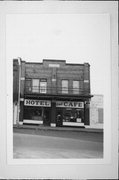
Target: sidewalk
48,128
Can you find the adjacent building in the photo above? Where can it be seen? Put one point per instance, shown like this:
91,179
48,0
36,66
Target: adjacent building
96,111
51,93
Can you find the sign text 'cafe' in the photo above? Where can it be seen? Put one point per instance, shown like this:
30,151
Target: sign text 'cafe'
69,104
61,104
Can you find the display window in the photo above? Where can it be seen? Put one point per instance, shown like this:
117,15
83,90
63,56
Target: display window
41,114
69,116
32,113
73,115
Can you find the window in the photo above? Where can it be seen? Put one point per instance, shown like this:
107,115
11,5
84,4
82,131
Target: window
75,87
73,115
35,85
39,86
65,86
28,85
43,86
32,113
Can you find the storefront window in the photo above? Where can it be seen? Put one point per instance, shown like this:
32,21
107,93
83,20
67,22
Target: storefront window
33,113
37,114
73,115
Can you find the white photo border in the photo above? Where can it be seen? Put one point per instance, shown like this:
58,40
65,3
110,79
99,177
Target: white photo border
109,162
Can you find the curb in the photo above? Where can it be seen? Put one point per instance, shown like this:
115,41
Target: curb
91,130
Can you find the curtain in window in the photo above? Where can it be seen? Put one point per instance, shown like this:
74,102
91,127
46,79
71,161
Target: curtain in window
35,85
75,87
65,86
43,87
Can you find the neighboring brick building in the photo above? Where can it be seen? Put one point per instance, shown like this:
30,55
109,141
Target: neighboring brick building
53,93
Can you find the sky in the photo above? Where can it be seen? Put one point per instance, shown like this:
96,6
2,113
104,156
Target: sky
76,38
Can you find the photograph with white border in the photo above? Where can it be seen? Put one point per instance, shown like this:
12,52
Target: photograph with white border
57,97
50,119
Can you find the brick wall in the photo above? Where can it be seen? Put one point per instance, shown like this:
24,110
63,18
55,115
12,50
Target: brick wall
54,71
58,69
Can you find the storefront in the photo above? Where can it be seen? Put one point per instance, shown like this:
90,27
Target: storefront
71,113
37,111
65,113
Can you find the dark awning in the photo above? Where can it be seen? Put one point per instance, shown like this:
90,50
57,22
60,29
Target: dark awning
59,97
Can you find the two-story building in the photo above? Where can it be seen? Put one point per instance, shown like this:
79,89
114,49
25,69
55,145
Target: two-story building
52,93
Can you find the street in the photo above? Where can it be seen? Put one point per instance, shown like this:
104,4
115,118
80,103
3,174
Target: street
48,144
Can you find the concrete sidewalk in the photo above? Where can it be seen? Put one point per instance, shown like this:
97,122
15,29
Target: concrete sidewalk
48,128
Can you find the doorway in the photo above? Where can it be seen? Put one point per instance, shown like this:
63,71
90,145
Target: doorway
59,117
47,117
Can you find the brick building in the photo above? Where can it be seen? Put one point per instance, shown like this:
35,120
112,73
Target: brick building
51,93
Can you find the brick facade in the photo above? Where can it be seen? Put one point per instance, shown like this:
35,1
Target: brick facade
80,72
53,72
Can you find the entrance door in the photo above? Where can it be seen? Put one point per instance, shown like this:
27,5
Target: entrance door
46,117
59,118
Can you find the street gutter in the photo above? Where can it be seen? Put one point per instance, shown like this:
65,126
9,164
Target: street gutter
47,128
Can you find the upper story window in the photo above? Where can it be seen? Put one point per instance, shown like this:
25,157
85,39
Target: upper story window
43,86
75,87
28,85
65,86
35,85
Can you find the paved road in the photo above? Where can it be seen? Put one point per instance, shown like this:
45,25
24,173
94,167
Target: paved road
74,133
44,146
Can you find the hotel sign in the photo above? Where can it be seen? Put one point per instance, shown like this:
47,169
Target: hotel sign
70,104
41,103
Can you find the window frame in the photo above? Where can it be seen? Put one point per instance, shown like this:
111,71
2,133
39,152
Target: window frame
36,86
43,80
66,91
76,89
30,85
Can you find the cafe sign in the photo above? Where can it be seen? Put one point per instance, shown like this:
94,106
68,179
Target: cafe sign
41,103
70,104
